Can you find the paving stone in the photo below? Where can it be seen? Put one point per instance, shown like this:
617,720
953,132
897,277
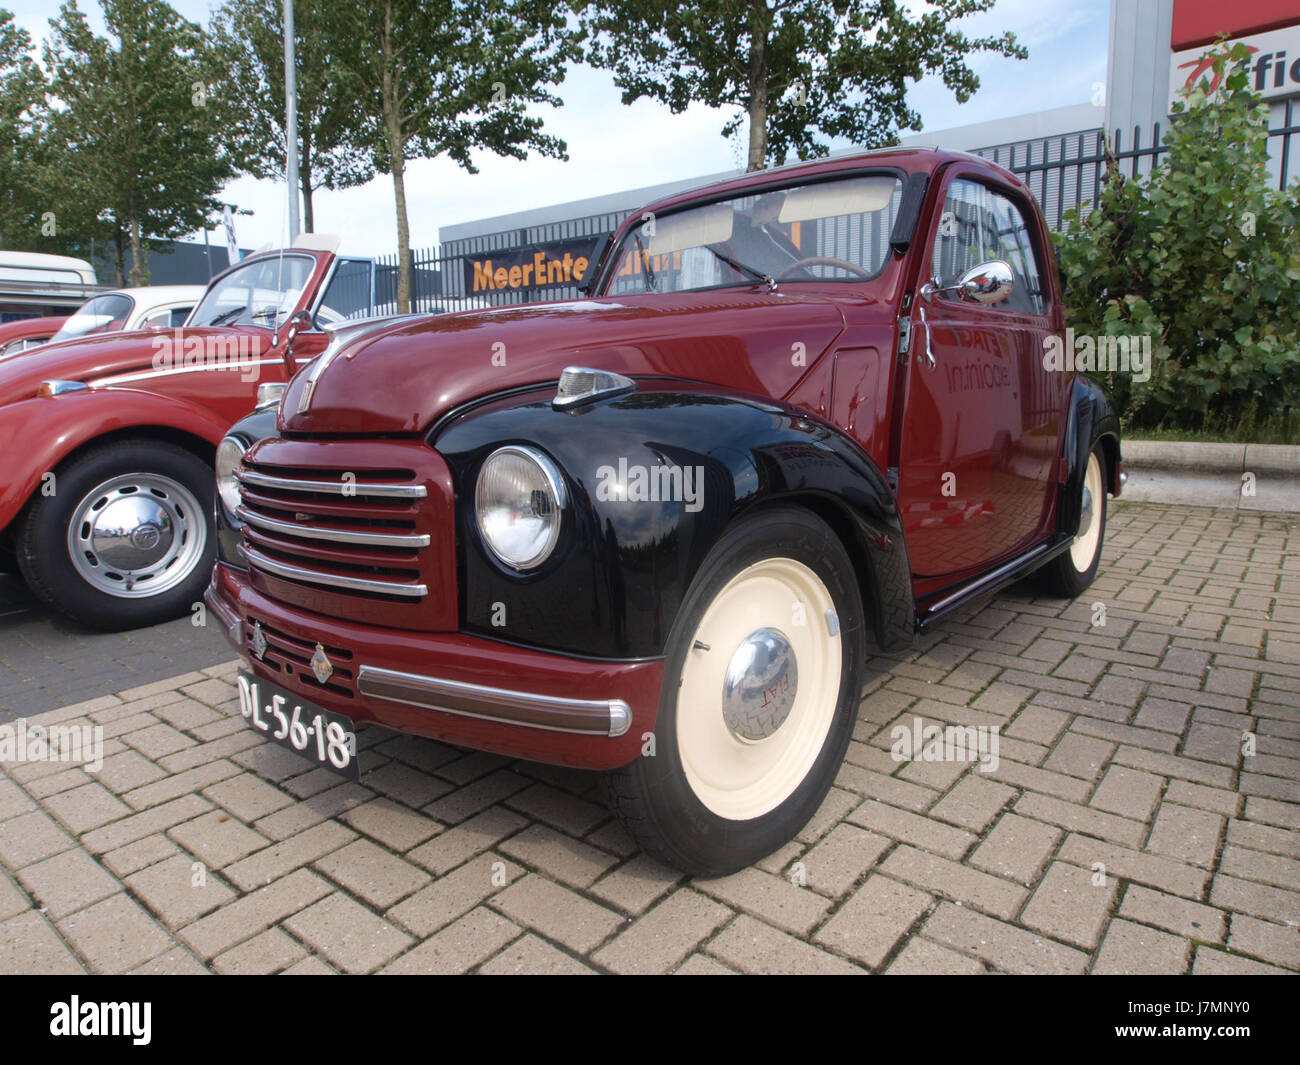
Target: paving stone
248,797
954,881
1081,819
30,838
1185,833
1210,962
922,958
755,947
534,956
348,934
795,909
30,947
270,952
271,863
703,965
636,884
1079,756
1128,792
67,882
1154,870
1133,949
469,838
974,802
177,892
842,858
460,946
252,914
912,828
1017,848
875,918
1275,944
557,913
1001,945
216,839
115,935
380,878
454,894
559,856
1190,920
658,940
1070,904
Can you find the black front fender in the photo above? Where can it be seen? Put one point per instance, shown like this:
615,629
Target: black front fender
613,586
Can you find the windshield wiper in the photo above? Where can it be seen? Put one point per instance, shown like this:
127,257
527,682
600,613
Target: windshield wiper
757,275
646,268
226,316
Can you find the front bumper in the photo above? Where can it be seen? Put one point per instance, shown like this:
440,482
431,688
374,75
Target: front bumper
460,689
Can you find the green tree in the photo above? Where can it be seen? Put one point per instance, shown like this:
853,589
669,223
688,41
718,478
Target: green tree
446,77
22,97
249,38
134,134
1202,256
798,71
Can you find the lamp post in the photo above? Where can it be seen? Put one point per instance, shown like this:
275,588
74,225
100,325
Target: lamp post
290,120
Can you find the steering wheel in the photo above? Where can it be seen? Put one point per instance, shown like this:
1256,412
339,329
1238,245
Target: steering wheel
826,260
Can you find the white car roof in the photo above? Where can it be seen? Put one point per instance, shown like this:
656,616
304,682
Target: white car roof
155,295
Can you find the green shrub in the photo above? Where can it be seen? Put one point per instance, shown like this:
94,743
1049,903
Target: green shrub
1201,255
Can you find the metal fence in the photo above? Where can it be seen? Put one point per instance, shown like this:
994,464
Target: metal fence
1063,171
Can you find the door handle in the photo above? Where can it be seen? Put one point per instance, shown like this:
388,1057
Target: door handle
927,353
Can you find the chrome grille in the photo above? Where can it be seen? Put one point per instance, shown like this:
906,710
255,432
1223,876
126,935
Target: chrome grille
361,531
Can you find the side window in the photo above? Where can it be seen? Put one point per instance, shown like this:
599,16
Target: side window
979,224
349,292
162,318
178,316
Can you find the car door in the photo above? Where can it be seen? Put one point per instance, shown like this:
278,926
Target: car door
981,417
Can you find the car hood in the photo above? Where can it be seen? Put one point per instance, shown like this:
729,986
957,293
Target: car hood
100,358
401,376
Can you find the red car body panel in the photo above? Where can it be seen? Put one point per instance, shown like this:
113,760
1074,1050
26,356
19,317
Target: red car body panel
30,329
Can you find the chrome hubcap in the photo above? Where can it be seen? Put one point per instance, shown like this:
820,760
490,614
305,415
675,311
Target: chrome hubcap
1085,512
760,685
137,535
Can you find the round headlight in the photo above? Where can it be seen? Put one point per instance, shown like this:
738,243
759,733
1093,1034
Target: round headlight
229,453
518,501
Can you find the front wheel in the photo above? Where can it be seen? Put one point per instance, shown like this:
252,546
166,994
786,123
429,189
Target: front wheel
760,695
1070,573
124,538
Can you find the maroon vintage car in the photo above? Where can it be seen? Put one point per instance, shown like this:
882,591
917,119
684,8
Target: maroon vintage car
655,531
109,440
22,334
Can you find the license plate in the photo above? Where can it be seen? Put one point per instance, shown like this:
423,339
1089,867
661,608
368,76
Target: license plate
326,738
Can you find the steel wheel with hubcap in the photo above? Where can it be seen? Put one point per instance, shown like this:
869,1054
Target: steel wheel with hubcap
123,540
1072,571
759,699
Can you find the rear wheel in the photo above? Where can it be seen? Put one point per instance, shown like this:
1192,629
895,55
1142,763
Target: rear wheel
760,695
1070,573
125,539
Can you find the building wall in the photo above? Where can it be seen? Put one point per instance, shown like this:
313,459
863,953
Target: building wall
1137,68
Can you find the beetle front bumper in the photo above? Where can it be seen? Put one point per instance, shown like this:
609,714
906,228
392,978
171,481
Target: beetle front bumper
464,690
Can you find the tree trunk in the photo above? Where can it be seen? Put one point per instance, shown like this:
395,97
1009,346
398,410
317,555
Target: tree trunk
403,237
308,215
119,257
139,273
389,94
758,28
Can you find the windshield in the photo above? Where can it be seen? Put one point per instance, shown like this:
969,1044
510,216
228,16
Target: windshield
103,314
263,292
835,230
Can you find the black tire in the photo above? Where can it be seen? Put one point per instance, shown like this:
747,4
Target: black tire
653,796
1063,576
45,557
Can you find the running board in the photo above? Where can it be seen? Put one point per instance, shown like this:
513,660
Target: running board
946,600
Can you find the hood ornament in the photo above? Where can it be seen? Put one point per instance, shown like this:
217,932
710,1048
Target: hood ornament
321,666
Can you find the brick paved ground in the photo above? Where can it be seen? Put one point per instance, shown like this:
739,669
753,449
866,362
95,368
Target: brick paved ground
1123,830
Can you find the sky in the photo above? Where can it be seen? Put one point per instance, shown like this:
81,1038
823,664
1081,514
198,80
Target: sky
613,147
